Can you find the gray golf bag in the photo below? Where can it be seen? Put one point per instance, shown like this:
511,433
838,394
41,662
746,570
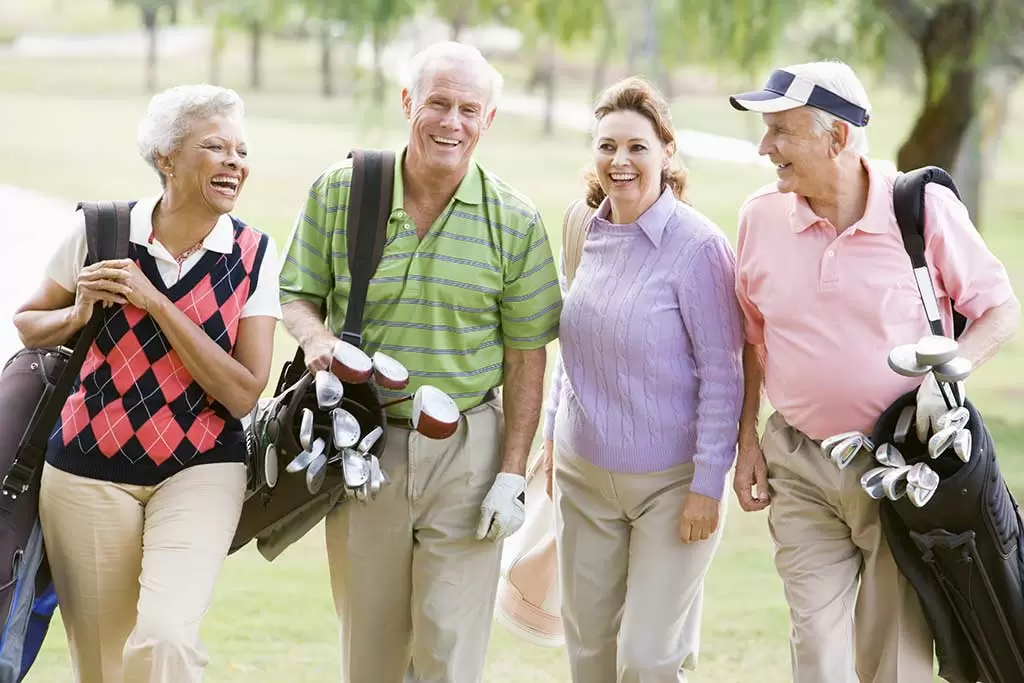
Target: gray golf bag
962,552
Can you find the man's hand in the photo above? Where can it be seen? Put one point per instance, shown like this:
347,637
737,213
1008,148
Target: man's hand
549,464
930,405
699,518
319,353
751,474
504,508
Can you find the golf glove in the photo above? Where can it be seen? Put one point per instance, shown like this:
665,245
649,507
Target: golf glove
504,508
930,406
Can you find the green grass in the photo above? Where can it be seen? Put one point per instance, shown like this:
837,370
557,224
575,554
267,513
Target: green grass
70,133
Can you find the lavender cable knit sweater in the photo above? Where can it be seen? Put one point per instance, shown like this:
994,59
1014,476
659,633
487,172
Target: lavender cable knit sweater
650,371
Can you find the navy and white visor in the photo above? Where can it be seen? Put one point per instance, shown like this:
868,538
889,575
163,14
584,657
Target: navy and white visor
785,90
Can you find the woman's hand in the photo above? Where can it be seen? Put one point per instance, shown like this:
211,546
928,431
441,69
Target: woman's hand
88,293
119,281
699,518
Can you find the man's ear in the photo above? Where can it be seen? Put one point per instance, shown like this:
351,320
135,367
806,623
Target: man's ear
839,137
489,118
407,103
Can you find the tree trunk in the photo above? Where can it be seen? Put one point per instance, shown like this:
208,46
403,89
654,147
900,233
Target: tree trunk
149,23
980,149
604,52
256,55
460,19
948,49
217,42
172,8
326,62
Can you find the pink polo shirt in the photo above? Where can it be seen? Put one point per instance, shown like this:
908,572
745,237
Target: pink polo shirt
828,308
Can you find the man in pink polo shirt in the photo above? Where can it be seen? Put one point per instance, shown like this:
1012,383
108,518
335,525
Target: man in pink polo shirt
827,290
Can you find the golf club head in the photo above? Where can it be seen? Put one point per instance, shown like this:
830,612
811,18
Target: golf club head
344,428
962,444
919,496
904,423
306,429
355,469
871,481
903,361
846,450
894,483
956,418
890,456
830,442
300,462
935,349
329,389
940,441
315,474
270,465
954,370
371,438
923,477
362,493
376,476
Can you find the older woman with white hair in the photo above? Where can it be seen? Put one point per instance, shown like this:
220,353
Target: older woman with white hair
145,477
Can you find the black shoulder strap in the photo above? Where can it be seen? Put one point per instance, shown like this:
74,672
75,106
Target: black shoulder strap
908,196
107,231
369,204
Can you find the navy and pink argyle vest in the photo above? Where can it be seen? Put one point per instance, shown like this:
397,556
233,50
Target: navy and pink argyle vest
137,416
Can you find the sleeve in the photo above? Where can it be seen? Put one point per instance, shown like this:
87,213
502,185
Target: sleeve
531,303
714,323
306,270
966,269
555,391
753,323
266,299
69,258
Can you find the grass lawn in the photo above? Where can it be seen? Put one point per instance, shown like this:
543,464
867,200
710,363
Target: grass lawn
69,131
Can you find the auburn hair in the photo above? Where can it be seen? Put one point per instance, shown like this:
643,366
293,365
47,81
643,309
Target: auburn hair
637,95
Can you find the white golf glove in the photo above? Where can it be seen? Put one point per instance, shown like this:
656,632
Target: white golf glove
504,508
930,406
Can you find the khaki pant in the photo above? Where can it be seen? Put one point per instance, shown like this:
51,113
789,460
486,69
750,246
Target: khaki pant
632,592
413,588
134,568
854,618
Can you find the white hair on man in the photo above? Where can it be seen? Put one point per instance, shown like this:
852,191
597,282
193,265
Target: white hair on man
452,53
839,78
171,113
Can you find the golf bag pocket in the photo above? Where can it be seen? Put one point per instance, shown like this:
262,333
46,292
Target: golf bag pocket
32,604
989,617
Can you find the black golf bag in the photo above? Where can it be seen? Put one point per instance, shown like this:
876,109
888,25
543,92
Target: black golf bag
962,552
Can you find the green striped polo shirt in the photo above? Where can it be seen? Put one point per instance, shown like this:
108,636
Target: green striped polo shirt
482,279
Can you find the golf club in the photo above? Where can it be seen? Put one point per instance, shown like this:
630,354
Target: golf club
344,428
302,460
903,424
903,361
871,481
894,483
329,389
846,450
890,456
935,349
371,438
940,441
306,429
923,477
956,418
919,496
315,474
355,469
952,373
962,444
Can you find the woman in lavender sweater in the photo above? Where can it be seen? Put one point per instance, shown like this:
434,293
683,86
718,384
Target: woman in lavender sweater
644,405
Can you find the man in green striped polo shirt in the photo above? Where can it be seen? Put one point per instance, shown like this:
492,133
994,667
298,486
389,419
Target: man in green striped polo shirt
466,297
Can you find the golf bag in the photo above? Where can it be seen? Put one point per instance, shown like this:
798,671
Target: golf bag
963,551
34,385
279,508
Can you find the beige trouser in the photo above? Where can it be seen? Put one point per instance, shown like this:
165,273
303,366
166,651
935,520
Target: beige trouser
632,592
134,568
413,588
854,618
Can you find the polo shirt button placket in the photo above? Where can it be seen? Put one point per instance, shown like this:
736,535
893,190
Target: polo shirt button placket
829,263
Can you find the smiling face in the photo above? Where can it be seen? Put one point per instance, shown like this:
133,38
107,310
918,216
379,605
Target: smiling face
209,165
448,116
629,159
800,151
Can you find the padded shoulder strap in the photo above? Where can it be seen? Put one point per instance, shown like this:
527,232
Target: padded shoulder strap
908,197
575,225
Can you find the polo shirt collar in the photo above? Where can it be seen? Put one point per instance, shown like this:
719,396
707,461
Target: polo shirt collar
469,191
651,222
221,239
877,212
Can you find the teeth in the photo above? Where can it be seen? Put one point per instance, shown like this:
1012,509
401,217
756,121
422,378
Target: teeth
233,182
622,176
444,141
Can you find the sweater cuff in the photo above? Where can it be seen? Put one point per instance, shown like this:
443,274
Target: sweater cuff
709,480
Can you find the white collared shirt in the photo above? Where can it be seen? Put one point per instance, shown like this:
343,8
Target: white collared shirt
69,259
